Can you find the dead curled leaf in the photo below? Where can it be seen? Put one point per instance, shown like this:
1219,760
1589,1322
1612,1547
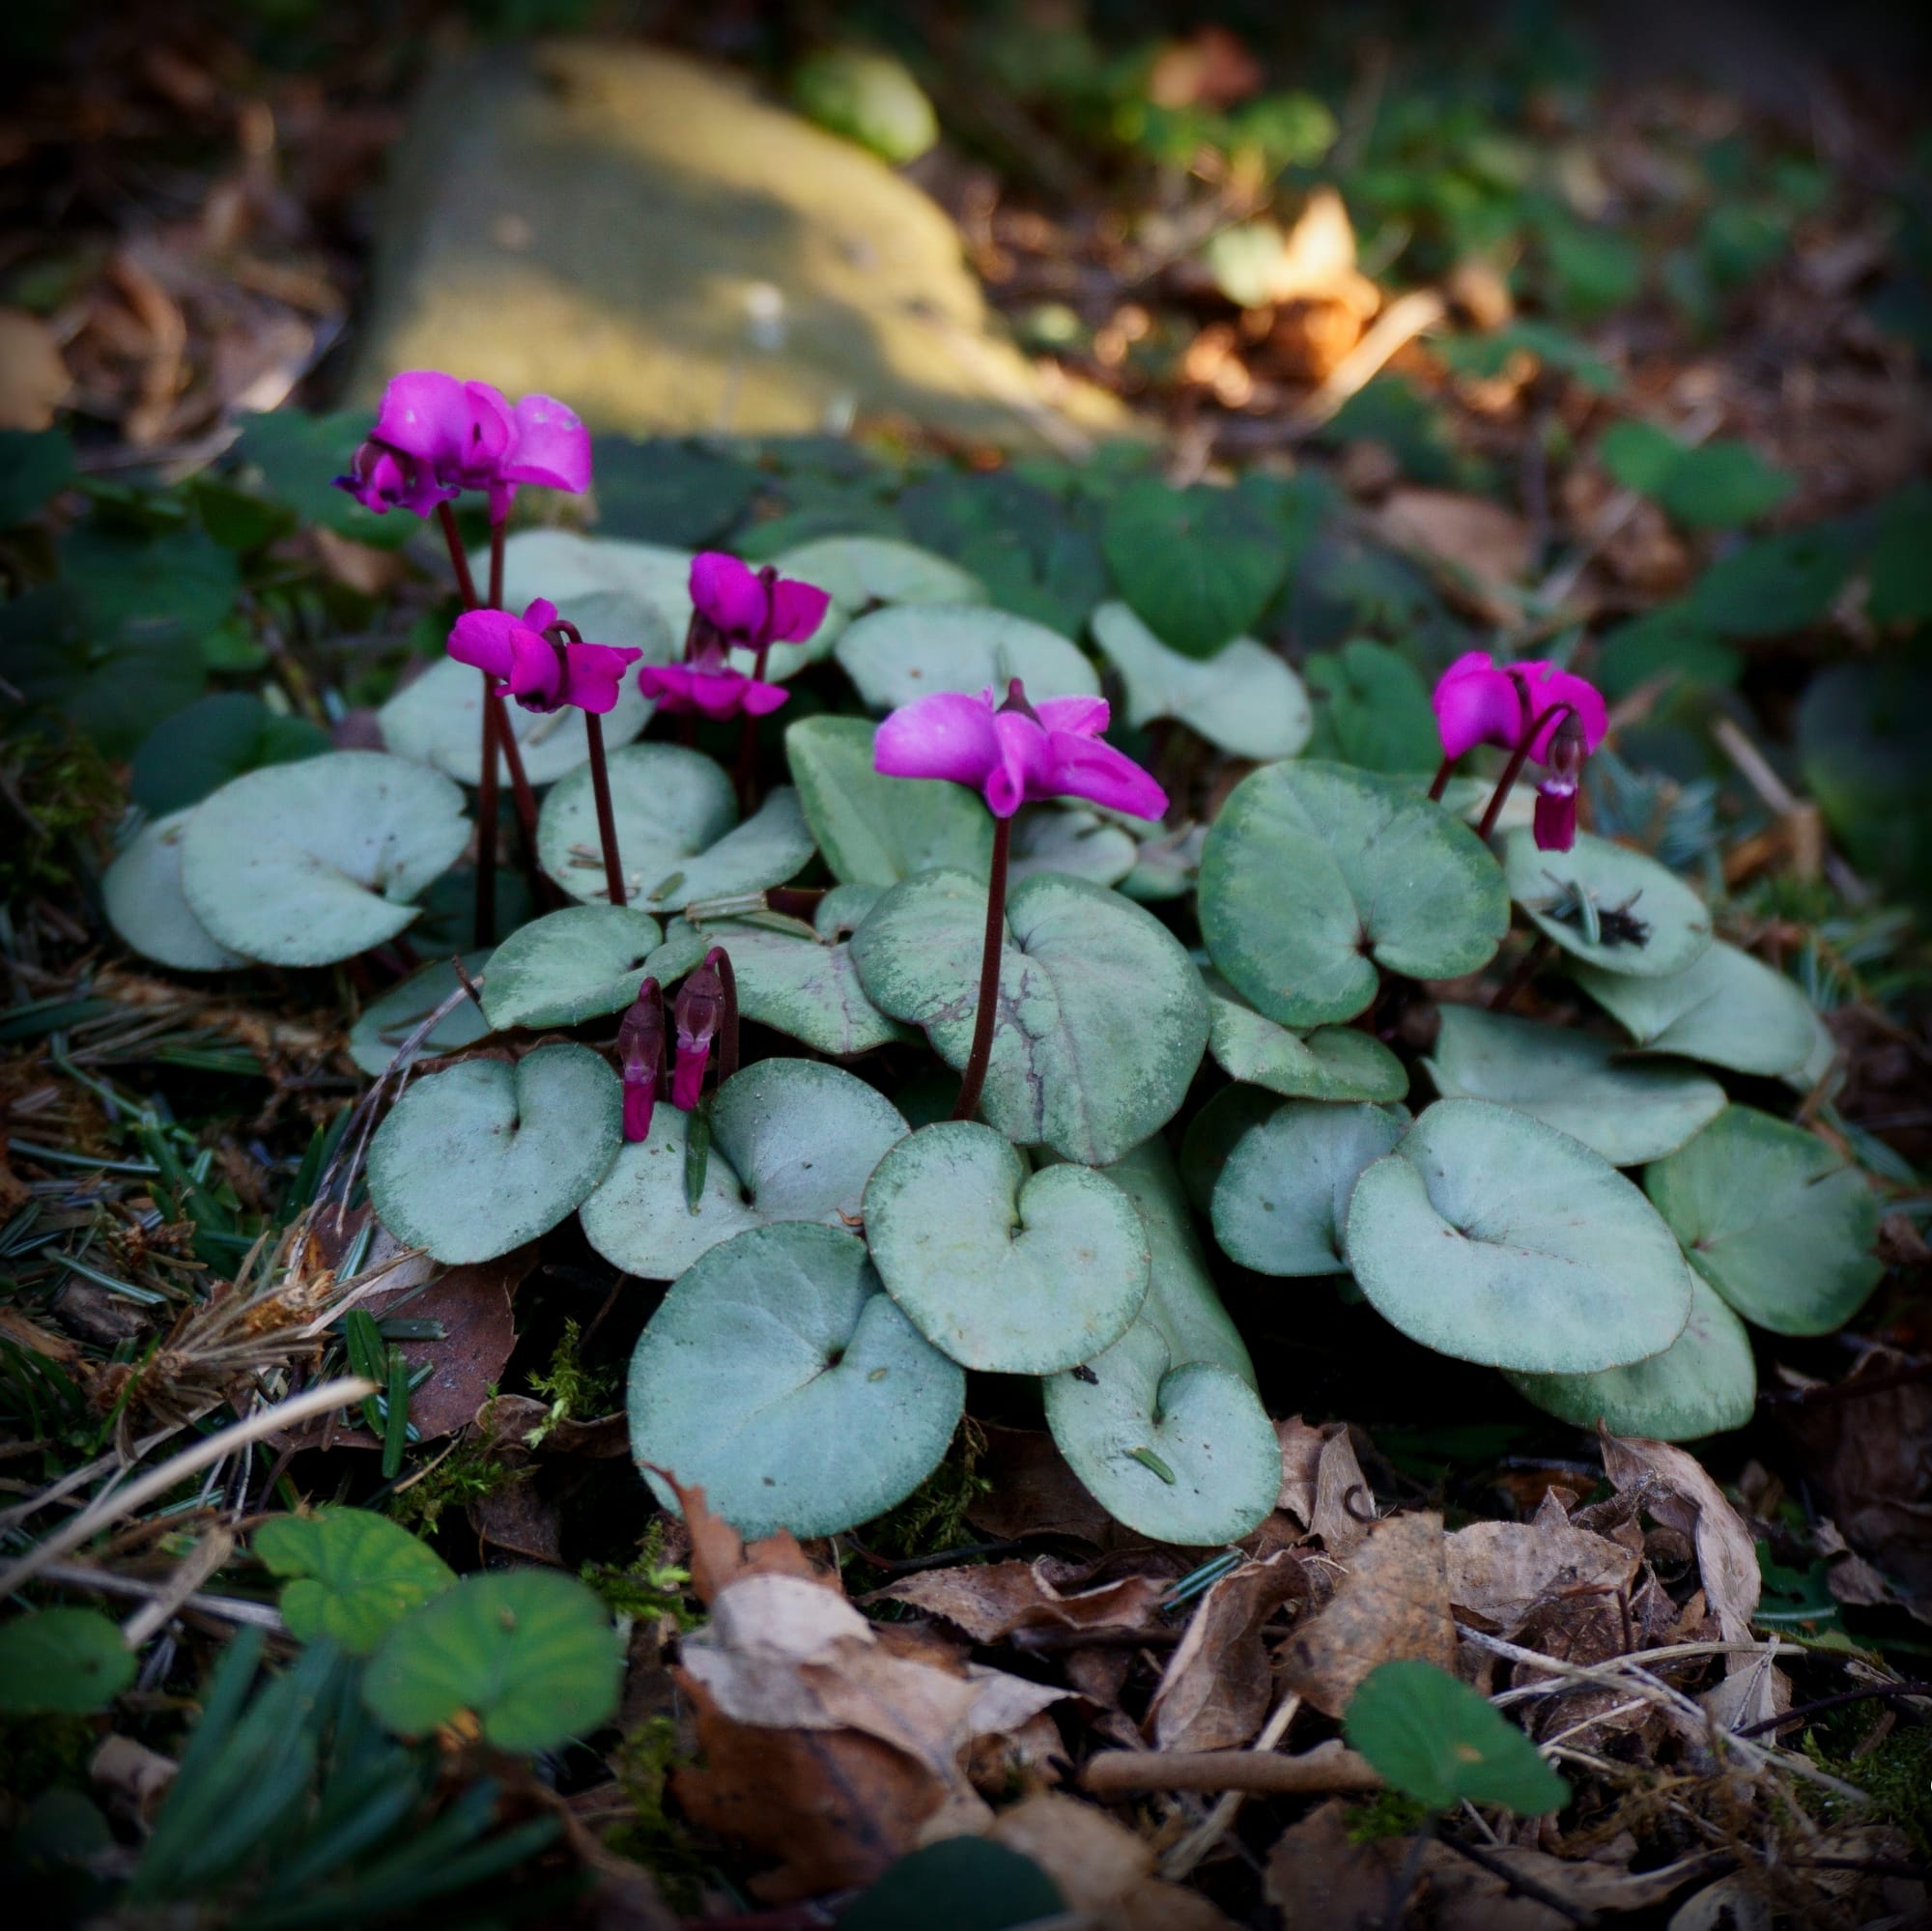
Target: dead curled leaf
1218,1684
1000,1599
1393,1601
1685,1497
1323,1485
1501,1573
1032,1491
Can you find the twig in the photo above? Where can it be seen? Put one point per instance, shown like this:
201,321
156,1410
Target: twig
79,1478
1328,1766
1219,1821
1518,1880
102,1582
1406,318
1798,1712
203,1560
331,1394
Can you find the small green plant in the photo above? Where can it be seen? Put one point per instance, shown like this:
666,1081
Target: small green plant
648,1586
574,1392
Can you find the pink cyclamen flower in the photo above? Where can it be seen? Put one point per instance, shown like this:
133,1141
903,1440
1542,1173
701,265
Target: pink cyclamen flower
436,436
698,1015
640,1050
753,608
707,685
1555,824
1479,701
1015,751
540,662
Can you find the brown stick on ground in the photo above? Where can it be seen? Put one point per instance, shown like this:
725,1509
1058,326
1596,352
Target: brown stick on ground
1328,1766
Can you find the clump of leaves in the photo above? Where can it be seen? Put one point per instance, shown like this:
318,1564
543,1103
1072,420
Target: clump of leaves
1895,1773
54,794
574,1391
649,1585
1388,1813
653,1837
470,1472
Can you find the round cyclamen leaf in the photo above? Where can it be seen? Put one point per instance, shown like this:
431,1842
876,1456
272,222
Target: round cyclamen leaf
1435,1739
783,1381
1101,1021
301,865
528,1653
476,1160
1493,1237
1200,565
1006,1271
1244,700
1282,1199
379,1034
1213,1134
1703,1384
570,966
790,1140
1649,923
1181,1454
145,904
62,1662
1167,866
216,738
1182,1301
1332,1062
1315,874
352,1574
676,840
862,570
437,719
896,655
1774,1220
1574,1082
1076,843
875,830
1725,1009
806,988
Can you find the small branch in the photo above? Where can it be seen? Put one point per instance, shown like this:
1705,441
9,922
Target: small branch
1799,1713
1519,1882
223,1608
1328,1766
206,1557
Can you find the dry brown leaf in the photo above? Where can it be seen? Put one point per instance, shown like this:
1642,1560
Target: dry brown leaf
1394,1601
34,380
1322,1487
1034,1493
834,1806
1685,1497
1102,1869
1481,539
1500,1572
992,1600
719,1555
1316,1877
1218,1683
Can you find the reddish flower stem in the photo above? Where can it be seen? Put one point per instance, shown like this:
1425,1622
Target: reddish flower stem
1441,783
496,566
1513,770
465,583
486,828
727,1026
975,1075
607,822
746,773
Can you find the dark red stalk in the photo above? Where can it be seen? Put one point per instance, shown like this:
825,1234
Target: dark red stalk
746,776
486,827
1513,770
974,1078
496,566
727,1026
1441,783
607,822
465,583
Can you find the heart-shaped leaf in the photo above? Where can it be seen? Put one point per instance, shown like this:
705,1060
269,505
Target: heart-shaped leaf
387,1023
958,1884
1076,843
1726,1008
300,865
790,1140
1703,1384
1282,1199
859,571
1334,1062
1013,1272
1436,1740
528,1653
221,736
1199,565
1101,1021
1244,700
1166,866
145,903
896,655
1574,1082
1774,1220
570,966
676,840
805,987
62,1662
437,719
1182,1301
476,1160
875,830
1213,1134
352,1574
783,1381
1649,923
1370,709
1493,1237
1315,874
1181,1454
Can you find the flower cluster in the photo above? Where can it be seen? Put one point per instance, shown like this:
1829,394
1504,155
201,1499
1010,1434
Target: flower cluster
704,1012
436,436
541,661
733,606
1534,711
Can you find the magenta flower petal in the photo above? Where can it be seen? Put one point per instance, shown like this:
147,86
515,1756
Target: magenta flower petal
760,699
1021,771
539,614
1086,717
1090,768
426,415
728,593
1551,688
947,735
486,640
550,447
712,691
594,674
1477,703
1555,824
536,680
686,1080
797,611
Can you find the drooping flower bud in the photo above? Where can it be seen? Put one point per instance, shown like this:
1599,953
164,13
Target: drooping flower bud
698,1013
1556,791
640,1052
